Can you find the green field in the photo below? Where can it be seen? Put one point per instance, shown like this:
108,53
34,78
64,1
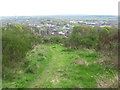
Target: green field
54,66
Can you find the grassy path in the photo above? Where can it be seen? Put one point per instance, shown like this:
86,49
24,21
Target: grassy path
72,69
51,73
54,66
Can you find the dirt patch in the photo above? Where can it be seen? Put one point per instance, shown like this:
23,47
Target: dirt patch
107,60
55,80
105,82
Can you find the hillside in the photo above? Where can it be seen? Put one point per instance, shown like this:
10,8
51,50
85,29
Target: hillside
87,58
54,66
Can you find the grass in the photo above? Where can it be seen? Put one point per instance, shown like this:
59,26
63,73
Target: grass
54,66
33,66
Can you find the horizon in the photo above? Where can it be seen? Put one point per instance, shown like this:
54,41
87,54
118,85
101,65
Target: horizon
58,15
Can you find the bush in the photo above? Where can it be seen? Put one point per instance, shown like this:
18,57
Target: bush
57,40
84,36
16,41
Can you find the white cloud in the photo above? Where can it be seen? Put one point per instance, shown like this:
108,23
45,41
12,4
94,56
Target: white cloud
53,7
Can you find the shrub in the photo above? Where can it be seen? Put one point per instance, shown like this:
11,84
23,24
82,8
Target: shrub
84,36
16,41
57,40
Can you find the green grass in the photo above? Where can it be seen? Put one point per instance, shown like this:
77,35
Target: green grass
54,66
34,65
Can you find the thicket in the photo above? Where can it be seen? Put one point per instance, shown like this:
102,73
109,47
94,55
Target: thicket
17,40
84,36
55,40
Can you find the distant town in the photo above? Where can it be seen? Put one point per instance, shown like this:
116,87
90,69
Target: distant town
47,26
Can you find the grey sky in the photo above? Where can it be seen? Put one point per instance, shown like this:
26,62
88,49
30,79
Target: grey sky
57,7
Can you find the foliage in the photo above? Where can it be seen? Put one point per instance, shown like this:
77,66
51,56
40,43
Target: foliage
84,36
57,40
16,41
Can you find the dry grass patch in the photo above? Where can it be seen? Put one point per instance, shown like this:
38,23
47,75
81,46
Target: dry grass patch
56,80
105,82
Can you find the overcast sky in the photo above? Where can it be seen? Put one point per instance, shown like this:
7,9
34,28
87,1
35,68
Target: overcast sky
57,7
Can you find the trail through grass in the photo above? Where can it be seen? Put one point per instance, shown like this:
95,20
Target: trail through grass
72,69
54,66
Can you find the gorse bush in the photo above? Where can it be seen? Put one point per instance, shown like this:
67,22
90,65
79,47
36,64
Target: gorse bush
16,41
108,38
84,36
54,40
57,40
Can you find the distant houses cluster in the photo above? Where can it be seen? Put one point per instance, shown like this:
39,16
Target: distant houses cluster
57,26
